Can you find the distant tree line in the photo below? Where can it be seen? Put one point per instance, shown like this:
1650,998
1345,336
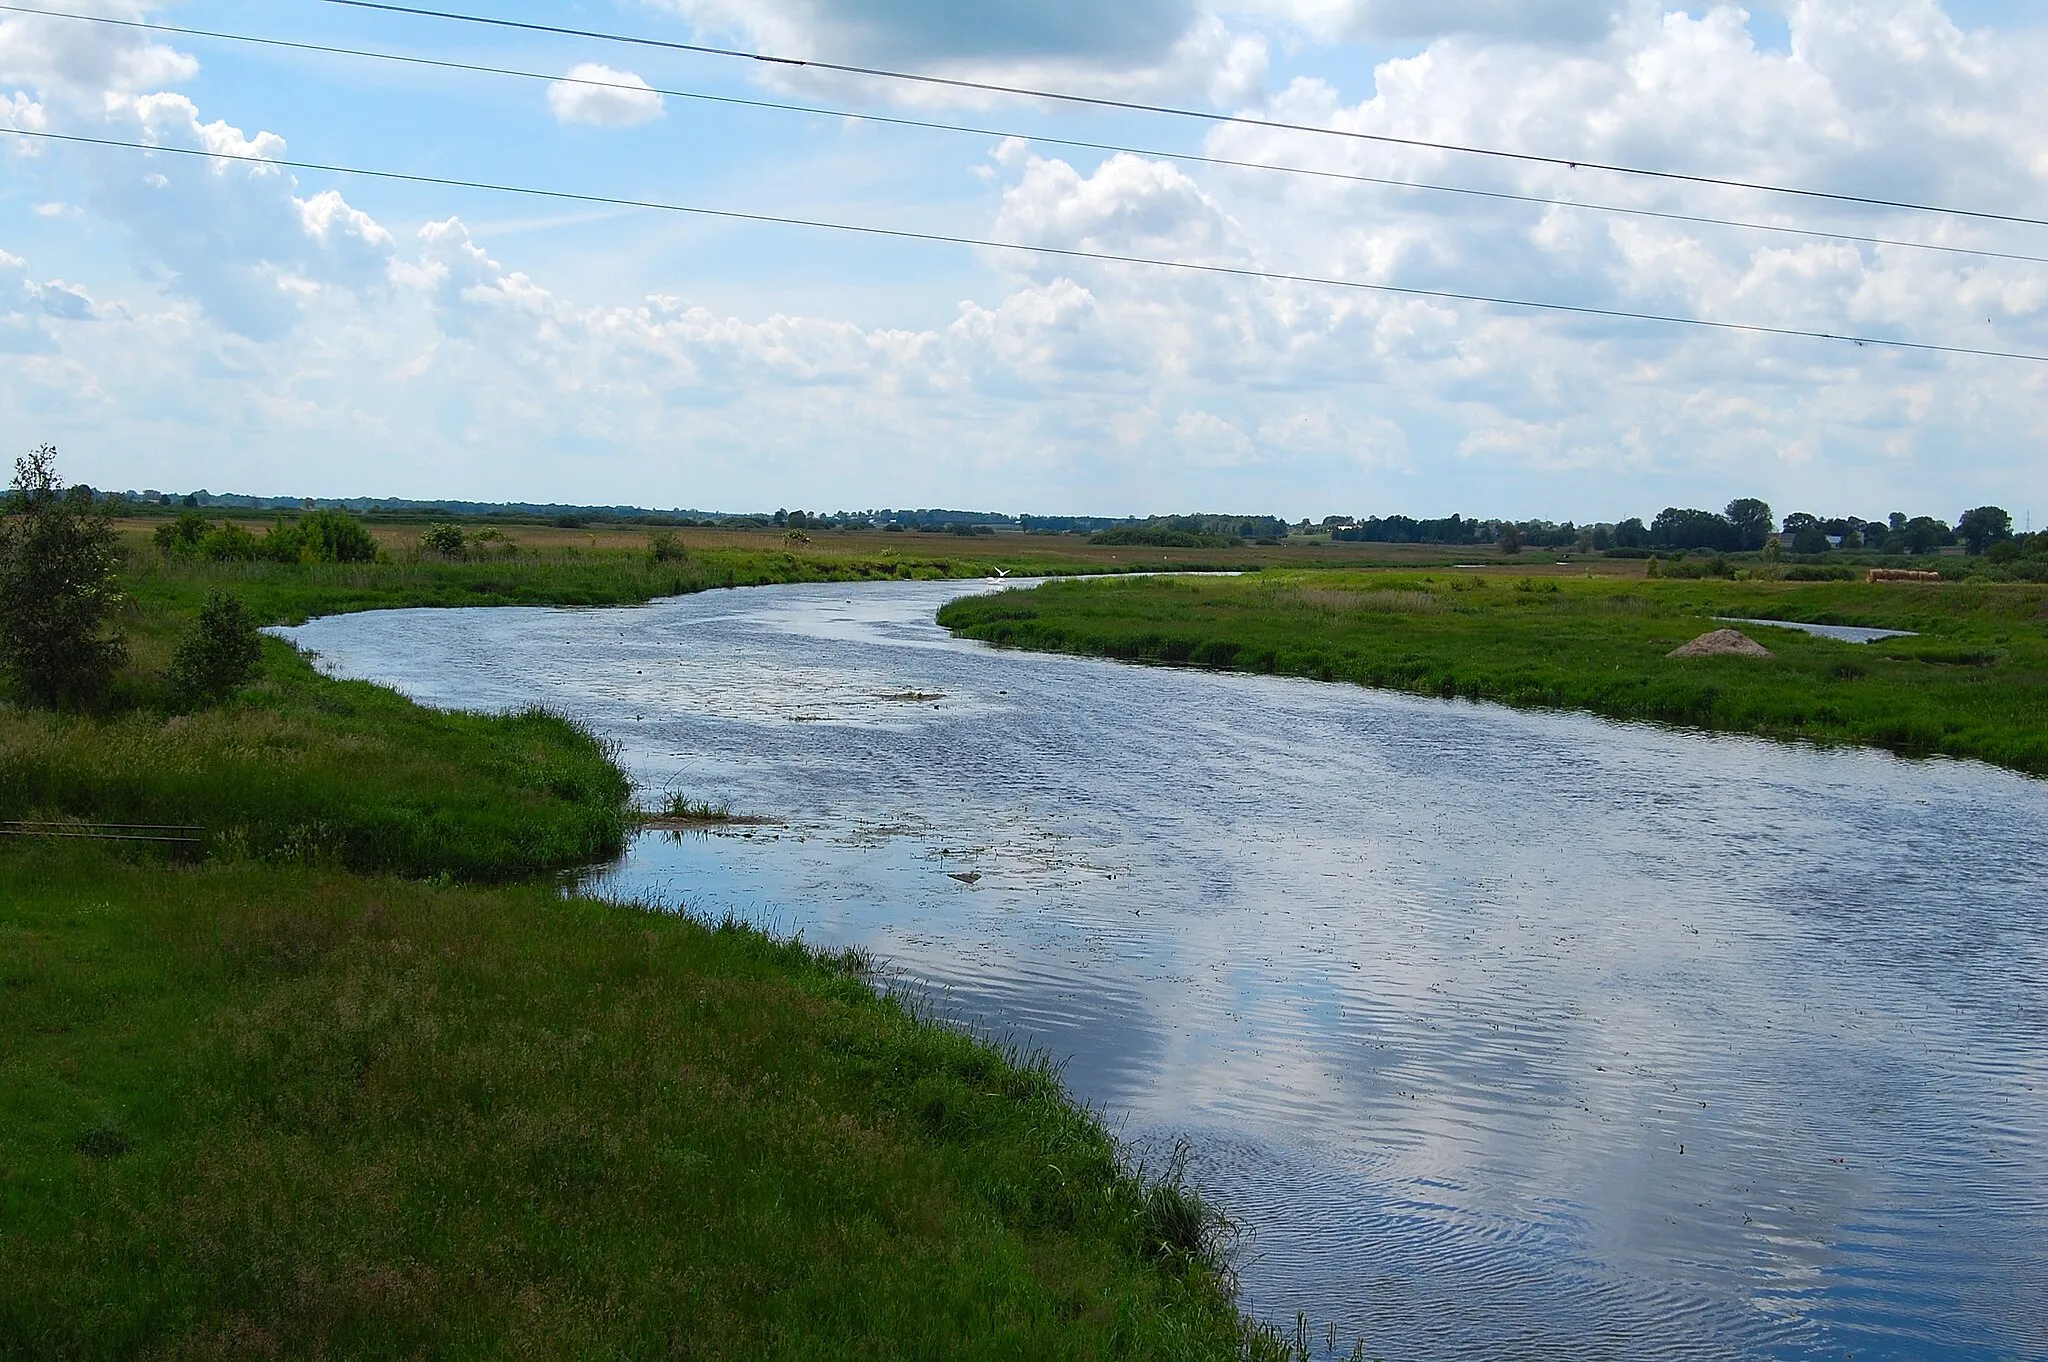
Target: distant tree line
1745,525
1195,531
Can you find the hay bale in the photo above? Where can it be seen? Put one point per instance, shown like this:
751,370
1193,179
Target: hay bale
1722,643
1898,575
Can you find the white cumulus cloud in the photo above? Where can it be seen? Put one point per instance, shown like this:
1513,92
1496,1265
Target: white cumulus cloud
65,58
232,235
425,361
603,97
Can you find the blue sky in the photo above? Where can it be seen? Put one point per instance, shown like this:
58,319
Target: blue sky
176,325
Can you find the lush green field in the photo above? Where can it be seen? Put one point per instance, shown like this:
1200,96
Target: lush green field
250,1110
327,1089
319,772
1975,684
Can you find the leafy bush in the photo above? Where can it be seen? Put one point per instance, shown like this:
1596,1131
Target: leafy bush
1716,566
183,535
230,543
666,547
321,537
219,656
334,537
58,557
445,539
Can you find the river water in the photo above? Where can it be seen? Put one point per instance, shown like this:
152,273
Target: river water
1502,1034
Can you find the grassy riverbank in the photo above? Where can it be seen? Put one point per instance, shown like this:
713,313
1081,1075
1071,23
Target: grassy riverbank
1974,684
333,1088
249,1109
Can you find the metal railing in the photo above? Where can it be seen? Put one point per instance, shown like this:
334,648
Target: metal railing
173,834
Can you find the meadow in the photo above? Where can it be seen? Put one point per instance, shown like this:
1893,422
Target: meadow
1974,683
353,1076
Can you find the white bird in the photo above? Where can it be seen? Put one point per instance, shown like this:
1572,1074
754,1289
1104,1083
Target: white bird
1001,573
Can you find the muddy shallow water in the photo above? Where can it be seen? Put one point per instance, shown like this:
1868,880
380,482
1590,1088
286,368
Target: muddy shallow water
1502,1033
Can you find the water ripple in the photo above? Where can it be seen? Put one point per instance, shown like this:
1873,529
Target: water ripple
1500,1033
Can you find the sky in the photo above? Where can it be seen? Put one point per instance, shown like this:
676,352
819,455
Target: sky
172,322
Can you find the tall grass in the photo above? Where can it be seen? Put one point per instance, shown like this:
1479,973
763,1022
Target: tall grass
248,1110
1974,684
306,769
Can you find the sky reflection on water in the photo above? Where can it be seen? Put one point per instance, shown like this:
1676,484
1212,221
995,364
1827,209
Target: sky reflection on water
1503,1033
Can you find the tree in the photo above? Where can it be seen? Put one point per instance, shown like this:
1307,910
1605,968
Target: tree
1983,527
220,654
1510,538
1751,521
1681,528
1812,538
58,557
1923,534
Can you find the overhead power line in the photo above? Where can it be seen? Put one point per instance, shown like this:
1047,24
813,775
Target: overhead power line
782,106
1173,111
1055,252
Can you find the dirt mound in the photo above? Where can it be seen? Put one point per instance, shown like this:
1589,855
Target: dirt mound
1722,643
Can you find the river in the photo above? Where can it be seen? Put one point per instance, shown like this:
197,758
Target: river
1501,1033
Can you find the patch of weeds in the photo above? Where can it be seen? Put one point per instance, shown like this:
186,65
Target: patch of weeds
1175,1222
696,810
104,1141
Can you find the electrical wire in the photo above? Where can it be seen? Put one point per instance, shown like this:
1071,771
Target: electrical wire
1056,252
476,68
1133,106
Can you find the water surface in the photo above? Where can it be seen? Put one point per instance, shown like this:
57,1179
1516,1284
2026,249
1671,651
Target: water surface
1504,1034
1840,633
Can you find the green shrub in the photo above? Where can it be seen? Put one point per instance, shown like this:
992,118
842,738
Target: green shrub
446,539
335,537
219,656
1148,536
230,543
183,535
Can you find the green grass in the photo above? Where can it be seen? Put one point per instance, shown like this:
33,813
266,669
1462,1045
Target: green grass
309,770
248,1110
345,1087
1974,685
